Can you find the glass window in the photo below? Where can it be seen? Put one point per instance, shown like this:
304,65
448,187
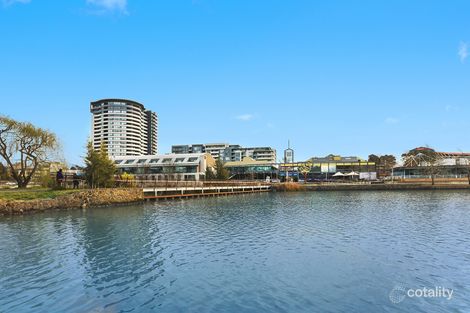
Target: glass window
156,170
129,161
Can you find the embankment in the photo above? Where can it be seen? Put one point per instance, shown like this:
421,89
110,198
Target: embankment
359,187
82,199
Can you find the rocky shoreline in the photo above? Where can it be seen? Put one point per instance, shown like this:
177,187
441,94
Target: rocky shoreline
79,200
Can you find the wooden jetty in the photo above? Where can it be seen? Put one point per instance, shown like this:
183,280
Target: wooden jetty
175,192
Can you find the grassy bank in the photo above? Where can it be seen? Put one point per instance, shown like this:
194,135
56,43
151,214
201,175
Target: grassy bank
33,201
289,187
33,194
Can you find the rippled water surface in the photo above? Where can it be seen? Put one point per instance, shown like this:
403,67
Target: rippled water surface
305,252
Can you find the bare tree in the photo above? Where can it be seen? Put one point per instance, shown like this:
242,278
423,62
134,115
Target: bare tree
305,169
24,147
425,158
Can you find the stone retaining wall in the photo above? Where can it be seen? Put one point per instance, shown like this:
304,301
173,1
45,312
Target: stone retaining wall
81,199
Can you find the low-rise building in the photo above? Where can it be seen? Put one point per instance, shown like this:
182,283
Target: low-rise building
323,168
249,168
190,166
424,162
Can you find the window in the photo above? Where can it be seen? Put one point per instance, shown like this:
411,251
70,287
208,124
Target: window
129,161
192,159
118,162
167,160
179,160
141,161
156,170
154,160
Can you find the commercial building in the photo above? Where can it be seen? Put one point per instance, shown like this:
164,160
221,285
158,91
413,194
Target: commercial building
175,167
125,127
249,168
324,168
423,162
227,152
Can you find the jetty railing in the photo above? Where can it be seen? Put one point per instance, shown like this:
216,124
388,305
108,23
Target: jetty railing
186,184
186,189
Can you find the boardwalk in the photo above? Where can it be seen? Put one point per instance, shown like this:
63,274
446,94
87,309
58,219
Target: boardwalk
202,191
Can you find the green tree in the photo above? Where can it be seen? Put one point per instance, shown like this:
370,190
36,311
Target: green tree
221,172
388,161
374,159
99,168
25,147
210,174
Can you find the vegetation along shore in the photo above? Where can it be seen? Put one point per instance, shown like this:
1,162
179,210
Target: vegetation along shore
25,202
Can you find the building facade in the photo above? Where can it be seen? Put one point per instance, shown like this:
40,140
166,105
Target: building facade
167,167
424,162
229,153
324,168
250,169
288,154
125,127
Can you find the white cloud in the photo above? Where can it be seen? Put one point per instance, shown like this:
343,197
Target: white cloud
245,117
110,5
10,2
391,120
463,51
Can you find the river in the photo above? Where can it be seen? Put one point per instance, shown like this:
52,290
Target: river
276,252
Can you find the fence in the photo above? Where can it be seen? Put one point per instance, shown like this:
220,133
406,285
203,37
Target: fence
186,184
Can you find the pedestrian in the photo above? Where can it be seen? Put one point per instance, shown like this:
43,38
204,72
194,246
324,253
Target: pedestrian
76,181
59,178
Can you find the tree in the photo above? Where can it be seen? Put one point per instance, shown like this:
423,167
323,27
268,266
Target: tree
99,169
25,147
221,172
374,159
388,161
210,174
4,175
383,164
426,158
305,169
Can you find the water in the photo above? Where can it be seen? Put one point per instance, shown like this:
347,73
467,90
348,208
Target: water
305,252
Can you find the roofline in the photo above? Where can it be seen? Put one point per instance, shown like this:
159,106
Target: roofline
150,156
119,100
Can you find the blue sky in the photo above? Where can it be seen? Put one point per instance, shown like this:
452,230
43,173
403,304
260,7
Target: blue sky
343,77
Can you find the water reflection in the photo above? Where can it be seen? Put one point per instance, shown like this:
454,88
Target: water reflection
300,252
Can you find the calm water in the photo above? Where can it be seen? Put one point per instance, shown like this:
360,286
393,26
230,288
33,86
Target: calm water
306,252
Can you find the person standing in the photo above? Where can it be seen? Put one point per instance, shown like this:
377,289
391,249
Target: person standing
76,181
59,178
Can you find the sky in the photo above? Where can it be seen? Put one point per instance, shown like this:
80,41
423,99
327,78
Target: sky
342,77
